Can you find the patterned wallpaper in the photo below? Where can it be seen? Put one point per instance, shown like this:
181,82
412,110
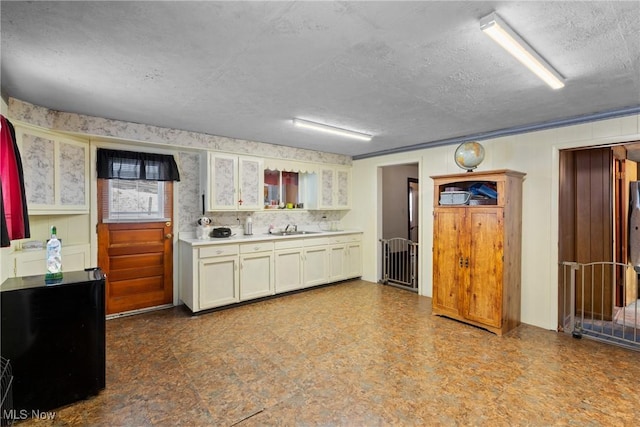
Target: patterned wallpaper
189,191
71,122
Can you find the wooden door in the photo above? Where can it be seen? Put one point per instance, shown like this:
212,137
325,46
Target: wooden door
594,227
586,212
138,261
137,258
484,262
448,256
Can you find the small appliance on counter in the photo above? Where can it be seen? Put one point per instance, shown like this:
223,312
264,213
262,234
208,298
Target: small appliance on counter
248,226
220,232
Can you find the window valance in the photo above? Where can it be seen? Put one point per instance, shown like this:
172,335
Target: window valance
118,164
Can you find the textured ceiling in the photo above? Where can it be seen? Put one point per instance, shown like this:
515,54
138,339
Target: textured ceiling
410,73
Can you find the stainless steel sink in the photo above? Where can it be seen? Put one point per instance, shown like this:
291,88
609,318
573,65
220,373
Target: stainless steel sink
292,233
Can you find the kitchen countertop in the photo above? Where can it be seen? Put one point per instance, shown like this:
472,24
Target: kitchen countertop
189,237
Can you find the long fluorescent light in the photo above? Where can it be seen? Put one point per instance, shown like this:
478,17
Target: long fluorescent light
331,129
501,33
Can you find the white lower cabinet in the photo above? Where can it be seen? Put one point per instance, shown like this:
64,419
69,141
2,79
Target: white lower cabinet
338,257
316,262
216,275
219,281
354,259
345,253
256,270
288,265
31,263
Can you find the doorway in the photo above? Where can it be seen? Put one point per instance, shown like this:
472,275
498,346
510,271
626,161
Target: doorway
593,213
136,255
400,207
413,199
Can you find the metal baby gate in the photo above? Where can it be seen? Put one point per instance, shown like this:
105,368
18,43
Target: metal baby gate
400,263
600,302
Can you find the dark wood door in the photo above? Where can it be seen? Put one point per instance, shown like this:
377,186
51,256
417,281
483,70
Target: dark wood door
586,225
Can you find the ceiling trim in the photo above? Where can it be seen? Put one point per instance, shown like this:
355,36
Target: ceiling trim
627,111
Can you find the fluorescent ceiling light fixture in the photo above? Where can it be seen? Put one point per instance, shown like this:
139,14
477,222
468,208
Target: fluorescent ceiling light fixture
331,129
501,33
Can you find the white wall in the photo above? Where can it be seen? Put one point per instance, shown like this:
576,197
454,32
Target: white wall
534,153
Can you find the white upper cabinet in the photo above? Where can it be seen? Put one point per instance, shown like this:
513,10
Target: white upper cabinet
342,188
56,171
333,186
233,182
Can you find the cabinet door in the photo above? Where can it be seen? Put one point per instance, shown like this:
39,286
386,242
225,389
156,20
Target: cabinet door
219,284
449,238
316,268
256,275
38,151
251,183
343,188
223,182
56,172
31,263
354,260
288,270
337,263
326,188
483,295
73,161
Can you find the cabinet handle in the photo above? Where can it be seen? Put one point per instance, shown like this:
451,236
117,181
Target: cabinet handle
460,261
466,262
168,235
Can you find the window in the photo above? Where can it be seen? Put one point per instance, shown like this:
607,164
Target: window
135,186
136,200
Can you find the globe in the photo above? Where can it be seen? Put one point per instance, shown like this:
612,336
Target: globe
469,155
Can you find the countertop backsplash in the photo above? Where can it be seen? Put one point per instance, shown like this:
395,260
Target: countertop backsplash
279,219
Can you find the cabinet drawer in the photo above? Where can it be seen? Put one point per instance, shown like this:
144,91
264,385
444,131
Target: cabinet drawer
348,238
249,248
288,244
218,250
316,241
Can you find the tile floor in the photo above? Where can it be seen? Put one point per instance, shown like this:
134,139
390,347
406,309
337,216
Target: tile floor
352,354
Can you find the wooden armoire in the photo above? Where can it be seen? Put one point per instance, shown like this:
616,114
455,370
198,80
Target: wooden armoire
477,249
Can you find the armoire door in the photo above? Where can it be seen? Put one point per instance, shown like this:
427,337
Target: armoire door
483,294
448,259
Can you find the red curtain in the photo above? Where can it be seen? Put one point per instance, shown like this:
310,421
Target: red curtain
15,221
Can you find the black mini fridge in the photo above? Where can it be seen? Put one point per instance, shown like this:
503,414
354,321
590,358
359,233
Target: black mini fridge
53,336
